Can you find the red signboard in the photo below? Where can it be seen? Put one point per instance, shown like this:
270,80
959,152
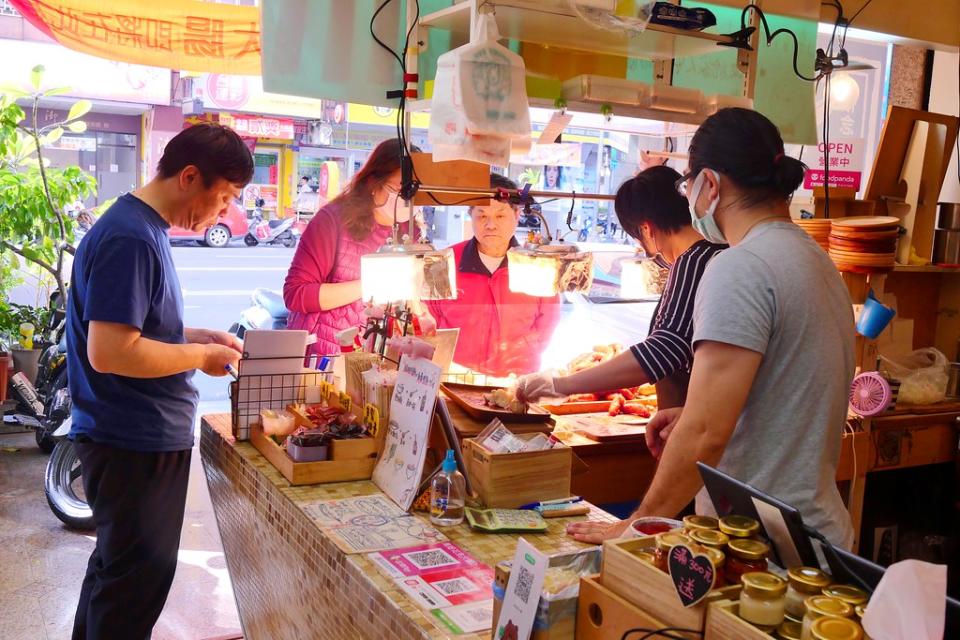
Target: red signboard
259,127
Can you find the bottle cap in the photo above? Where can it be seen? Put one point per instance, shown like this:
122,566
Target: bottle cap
449,463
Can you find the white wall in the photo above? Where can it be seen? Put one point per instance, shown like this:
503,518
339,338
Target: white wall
945,98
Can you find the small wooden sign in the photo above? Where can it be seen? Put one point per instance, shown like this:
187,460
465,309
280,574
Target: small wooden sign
371,418
693,574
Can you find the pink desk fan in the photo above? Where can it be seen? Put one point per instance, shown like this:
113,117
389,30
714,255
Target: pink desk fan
871,394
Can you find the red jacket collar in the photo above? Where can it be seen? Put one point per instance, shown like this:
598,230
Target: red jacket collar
470,261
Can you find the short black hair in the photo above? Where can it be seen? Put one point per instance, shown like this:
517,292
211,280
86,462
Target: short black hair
302,178
498,181
217,151
651,197
746,146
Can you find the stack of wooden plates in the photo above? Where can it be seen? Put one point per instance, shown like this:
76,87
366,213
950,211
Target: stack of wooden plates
864,244
818,229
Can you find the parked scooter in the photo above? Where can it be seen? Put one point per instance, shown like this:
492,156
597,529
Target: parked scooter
271,231
266,311
63,480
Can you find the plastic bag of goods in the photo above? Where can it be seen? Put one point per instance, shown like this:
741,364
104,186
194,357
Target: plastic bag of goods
479,100
923,375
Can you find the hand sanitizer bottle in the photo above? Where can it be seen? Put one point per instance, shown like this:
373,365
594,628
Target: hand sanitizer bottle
447,494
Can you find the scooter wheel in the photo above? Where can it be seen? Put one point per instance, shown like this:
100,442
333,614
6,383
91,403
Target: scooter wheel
250,241
290,242
61,484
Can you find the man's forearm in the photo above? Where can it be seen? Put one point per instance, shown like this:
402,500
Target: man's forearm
621,371
146,358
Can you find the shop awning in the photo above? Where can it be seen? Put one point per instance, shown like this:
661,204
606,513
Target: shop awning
191,35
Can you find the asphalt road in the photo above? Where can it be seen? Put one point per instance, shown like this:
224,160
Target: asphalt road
216,286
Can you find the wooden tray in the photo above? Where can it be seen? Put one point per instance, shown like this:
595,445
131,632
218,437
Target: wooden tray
570,408
614,433
723,623
301,473
646,586
469,397
603,615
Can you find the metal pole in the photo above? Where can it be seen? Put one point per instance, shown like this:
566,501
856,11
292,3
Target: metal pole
491,193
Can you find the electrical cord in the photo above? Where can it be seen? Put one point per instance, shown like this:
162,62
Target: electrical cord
666,632
770,37
826,146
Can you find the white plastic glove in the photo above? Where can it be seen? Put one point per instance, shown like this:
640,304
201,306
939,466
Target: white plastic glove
534,386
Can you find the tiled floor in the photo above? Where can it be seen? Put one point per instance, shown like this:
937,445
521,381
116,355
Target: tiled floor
42,563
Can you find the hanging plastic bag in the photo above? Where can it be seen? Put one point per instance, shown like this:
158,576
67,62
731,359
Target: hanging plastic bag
923,375
479,100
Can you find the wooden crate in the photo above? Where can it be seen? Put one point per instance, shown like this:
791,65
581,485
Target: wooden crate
354,449
300,473
603,615
723,623
509,480
646,586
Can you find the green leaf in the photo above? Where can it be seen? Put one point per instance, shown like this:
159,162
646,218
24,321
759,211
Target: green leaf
78,126
52,137
36,76
58,91
79,109
12,90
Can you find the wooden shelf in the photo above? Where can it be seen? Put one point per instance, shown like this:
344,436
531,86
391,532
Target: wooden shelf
555,24
908,268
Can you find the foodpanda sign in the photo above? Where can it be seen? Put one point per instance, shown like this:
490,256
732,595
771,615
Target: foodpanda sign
845,158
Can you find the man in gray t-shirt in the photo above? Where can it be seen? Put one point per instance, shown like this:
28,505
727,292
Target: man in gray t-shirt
778,294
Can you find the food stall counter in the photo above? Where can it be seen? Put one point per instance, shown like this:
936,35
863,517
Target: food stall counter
292,581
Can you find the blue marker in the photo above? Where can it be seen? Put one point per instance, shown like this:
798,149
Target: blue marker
230,369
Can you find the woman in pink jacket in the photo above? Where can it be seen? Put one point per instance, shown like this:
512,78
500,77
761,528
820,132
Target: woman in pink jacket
322,289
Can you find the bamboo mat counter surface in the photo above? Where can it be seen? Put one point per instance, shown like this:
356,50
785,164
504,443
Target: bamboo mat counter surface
291,581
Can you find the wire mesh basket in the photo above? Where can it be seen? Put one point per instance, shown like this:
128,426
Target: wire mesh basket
251,394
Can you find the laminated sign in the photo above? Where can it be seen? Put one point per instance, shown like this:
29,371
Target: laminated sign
479,100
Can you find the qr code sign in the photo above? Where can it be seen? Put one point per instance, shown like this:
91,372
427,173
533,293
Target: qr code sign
524,584
430,559
455,586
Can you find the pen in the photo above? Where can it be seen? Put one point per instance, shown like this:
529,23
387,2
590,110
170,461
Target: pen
230,369
547,503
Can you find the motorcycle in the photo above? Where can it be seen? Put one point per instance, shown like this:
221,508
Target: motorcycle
63,481
266,311
271,231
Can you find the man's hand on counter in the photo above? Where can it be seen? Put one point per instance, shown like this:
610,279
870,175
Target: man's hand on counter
659,428
597,532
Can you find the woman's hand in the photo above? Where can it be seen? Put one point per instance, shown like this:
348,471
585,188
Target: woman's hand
596,532
659,429
534,386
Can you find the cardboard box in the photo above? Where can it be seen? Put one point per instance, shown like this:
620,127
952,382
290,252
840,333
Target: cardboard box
510,480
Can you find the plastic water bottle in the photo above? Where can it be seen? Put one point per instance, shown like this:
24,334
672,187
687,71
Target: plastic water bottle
448,494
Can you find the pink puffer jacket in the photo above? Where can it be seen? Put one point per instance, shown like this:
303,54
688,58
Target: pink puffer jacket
326,254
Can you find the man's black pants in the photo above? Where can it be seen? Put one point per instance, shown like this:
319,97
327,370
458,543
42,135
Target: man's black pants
138,500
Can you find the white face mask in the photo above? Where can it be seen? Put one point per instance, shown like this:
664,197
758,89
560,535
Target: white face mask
707,225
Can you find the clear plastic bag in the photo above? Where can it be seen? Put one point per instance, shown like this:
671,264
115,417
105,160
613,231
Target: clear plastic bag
923,375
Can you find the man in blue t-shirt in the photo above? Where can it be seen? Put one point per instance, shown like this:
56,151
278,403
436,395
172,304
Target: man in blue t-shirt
130,364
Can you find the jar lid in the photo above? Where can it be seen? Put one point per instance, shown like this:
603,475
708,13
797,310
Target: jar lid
827,606
710,538
693,523
739,526
646,556
848,593
716,556
670,539
747,549
808,578
828,628
790,630
763,584
860,610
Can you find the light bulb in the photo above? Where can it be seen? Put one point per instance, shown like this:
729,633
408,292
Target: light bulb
844,92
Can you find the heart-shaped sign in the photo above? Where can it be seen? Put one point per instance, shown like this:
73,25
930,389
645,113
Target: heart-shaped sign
692,574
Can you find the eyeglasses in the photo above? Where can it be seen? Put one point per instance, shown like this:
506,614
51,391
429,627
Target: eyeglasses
681,184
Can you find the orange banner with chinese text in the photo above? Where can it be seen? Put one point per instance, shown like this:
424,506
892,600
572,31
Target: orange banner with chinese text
189,35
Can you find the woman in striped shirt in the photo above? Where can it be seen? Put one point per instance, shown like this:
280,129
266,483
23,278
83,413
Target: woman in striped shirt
654,213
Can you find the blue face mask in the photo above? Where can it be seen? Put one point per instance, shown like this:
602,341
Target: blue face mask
706,225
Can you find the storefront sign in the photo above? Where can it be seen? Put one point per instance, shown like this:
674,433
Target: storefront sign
76,143
256,127
86,76
846,164
174,34
245,93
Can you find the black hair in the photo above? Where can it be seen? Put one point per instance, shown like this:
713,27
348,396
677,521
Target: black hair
747,148
651,197
302,178
215,150
498,181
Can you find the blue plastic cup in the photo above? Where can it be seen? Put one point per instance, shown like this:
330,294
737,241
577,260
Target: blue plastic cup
874,318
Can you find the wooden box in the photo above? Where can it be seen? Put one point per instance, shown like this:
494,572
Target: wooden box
646,586
603,615
354,449
300,473
723,623
510,480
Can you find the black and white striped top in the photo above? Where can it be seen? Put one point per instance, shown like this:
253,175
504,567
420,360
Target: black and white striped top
668,347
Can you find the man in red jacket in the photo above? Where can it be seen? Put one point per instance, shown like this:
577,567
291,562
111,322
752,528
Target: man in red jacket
501,332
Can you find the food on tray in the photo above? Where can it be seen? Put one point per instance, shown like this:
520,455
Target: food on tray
635,401
505,399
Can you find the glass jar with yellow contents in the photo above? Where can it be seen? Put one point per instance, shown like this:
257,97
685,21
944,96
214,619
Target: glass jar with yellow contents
665,542
790,630
823,607
699,523
744,556
717,559
828,628
803,583
853,596
763,599
739,526
710,538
